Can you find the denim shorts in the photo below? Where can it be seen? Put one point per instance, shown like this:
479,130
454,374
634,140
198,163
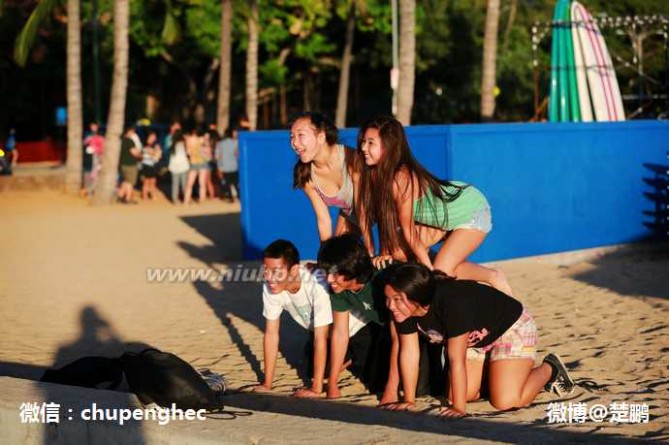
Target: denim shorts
481,220
201,166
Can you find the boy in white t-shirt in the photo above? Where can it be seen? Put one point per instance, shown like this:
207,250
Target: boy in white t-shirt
303,293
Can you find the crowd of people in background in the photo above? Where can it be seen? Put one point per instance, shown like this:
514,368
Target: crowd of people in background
193,162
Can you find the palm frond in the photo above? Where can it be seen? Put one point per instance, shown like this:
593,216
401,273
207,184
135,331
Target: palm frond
26,37
171,32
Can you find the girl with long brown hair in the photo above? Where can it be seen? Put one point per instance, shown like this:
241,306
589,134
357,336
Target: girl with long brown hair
326,171
414,210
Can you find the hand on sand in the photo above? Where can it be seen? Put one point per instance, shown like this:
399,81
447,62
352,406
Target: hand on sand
306,393
451,413
399,406
261,389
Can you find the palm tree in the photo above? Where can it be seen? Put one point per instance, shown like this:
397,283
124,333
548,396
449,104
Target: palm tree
22,46
104,192
407,41
223,115
252,66
513,10
74,106
346,59
489,61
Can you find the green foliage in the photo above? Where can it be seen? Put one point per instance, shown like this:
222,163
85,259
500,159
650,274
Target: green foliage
146,25
273,73
171,32
203,25
175,42
376,16
26,38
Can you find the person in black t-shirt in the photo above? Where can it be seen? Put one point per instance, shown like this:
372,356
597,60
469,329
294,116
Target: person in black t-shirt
476,323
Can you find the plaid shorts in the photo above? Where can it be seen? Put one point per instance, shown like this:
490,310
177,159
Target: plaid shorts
518,342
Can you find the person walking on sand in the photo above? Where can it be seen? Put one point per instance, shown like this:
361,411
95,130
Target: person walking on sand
414,210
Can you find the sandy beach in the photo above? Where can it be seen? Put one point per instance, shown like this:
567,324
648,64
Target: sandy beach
78,280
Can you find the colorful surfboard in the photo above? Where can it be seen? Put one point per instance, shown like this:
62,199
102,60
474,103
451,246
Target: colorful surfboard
570,67
554,98
585,105
563,82
602,81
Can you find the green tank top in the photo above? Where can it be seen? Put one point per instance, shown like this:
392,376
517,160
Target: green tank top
435,211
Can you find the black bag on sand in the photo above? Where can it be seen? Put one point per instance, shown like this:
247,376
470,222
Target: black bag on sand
163,378
87,372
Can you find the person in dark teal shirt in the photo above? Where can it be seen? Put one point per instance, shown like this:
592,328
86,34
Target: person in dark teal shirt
356,296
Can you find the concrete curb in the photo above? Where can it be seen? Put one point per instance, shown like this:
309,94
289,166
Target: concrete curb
274,420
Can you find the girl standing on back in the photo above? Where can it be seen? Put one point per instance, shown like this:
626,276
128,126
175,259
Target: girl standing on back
414,210
326,171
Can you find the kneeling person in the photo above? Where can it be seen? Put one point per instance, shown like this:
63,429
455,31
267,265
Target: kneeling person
479,324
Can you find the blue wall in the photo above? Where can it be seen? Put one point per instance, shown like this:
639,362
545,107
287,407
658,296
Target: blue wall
552,187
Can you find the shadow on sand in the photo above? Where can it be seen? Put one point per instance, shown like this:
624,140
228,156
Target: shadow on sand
471,427
232,301
610,271
97,338
230,298
224,232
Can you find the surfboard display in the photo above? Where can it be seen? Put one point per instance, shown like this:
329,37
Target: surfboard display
570,65
584,86
585,105
553,101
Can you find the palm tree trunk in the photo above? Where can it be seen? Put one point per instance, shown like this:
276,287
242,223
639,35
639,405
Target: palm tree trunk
104,192
74,113
223,115
252,66
344,74
489,61
405,88
283,107
509,25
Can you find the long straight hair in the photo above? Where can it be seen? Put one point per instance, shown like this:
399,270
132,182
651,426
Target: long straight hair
376,183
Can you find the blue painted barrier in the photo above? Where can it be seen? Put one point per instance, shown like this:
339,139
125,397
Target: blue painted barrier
552,187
